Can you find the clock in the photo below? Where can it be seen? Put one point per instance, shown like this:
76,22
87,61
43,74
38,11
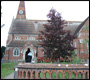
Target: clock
21,12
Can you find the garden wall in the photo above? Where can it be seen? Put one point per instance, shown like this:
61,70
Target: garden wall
34,71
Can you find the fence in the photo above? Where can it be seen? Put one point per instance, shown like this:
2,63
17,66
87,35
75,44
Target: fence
46,71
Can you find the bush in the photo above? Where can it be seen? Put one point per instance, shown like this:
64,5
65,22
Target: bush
77,61
40,59
2,51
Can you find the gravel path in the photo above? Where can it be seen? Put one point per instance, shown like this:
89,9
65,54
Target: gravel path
11,76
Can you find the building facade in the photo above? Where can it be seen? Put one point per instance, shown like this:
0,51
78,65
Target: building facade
82,40
24,34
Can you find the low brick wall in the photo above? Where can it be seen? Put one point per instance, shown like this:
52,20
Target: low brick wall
32,71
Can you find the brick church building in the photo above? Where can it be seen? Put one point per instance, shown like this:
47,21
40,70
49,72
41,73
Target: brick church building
24,34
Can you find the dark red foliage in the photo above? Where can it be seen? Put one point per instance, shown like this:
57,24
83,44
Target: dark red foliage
56,42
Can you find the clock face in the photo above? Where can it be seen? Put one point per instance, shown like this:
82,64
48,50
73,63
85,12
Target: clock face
20,12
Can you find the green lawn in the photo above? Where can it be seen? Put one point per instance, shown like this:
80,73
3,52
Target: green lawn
7,68
60,75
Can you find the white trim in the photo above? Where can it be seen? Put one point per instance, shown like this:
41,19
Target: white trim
18,50
35,24
26,50
17,38
82,52
75,44
81,40
31,38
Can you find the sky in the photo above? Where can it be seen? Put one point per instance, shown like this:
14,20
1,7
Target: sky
38,10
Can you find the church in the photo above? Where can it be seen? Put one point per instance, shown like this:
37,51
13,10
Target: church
24,34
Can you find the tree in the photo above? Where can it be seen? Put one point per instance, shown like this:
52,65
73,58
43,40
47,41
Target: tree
56,41
2,51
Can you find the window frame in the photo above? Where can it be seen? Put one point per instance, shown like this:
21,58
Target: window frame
31,38
16,52
17,38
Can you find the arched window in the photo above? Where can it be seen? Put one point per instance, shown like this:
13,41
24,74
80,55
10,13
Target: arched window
17,38
31,38
16,52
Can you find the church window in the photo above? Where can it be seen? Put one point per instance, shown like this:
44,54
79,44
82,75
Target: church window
75,44
75,47
17,38
82,51
31,38
81,40
16,52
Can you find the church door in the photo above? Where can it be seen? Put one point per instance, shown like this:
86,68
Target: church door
25,58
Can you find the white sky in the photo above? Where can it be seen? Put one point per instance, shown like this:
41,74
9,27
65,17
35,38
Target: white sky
70,11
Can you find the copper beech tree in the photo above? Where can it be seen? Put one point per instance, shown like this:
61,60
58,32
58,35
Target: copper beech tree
56,41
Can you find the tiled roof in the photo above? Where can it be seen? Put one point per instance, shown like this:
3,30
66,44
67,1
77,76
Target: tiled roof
18,43
80,26
26,27
72,28
34,26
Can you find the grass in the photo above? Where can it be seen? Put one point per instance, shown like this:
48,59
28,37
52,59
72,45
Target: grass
60,75
7,68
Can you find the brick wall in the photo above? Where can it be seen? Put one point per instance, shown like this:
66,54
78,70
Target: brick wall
28,71
40,53
9,38
10,56
82,48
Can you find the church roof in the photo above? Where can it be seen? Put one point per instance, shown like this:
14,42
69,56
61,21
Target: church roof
81,25
26,26
22,26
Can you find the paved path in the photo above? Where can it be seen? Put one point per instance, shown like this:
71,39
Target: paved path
11,76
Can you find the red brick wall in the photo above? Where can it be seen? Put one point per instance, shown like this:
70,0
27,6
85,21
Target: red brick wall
40,53
9,54
82,46
25,37
83,56
9,38
50,68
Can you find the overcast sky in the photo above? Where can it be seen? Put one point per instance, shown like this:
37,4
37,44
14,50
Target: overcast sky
37,10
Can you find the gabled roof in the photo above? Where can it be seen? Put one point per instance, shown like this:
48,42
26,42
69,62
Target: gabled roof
80,26
26,26
72,28
21,26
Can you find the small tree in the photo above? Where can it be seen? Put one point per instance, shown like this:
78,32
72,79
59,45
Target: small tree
56,41
2,51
